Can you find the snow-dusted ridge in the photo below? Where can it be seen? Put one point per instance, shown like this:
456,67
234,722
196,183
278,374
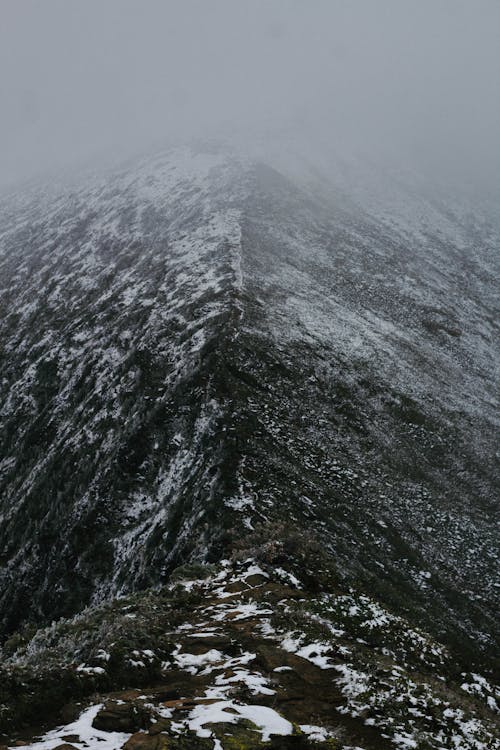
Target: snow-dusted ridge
201,343
371,681
142,265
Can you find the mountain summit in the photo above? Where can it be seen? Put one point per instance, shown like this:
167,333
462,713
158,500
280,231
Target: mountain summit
280,378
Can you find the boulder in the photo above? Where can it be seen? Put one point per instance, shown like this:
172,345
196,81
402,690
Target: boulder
122,717
162,725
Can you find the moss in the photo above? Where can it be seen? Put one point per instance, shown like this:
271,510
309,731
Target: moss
244,735
192,571
190,742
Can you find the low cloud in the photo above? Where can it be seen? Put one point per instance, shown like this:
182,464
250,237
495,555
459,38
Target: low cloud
88,80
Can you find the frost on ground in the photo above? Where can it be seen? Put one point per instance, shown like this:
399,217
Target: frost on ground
203,357
372,680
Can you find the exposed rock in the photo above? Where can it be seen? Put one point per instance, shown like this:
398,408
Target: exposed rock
122,717
141,741
187,704
159,726
256,580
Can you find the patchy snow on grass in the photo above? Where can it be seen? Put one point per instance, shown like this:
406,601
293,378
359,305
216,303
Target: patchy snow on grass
353,682
315,733
313,652
241,612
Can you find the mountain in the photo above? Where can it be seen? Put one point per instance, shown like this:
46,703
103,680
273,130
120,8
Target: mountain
214,360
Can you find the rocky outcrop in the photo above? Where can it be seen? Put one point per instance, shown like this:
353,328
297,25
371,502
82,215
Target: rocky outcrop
120,716
250,656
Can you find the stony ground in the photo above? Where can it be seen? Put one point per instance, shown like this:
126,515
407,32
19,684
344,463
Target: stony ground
245,656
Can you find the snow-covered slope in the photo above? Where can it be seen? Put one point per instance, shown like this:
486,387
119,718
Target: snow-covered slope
110,296
201,345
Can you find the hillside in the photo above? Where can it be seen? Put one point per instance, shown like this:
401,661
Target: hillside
207,359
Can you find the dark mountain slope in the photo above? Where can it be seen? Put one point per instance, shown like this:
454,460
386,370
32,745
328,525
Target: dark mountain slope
200,346
372,400
115,303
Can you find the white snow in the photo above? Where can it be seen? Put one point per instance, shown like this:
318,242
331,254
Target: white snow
268,720
313,652
318,734
90,670
88,736
192,663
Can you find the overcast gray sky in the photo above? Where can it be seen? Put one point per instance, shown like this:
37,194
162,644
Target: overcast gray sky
85,79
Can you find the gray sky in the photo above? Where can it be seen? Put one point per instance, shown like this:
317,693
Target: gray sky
85,80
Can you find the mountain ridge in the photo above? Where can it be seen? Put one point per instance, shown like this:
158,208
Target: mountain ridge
264,335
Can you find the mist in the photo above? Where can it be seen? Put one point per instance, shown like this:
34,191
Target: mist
415,83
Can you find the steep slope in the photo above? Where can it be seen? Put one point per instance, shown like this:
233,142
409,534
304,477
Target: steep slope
113,300
200,346
370,368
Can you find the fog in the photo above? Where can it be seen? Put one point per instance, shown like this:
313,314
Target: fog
413,82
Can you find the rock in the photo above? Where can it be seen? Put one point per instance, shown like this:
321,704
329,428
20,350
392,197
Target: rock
269,656
186,704
221,641
162,725
170,694
71,738
256,580
65,746
122,717
142,741
235,587
201,645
